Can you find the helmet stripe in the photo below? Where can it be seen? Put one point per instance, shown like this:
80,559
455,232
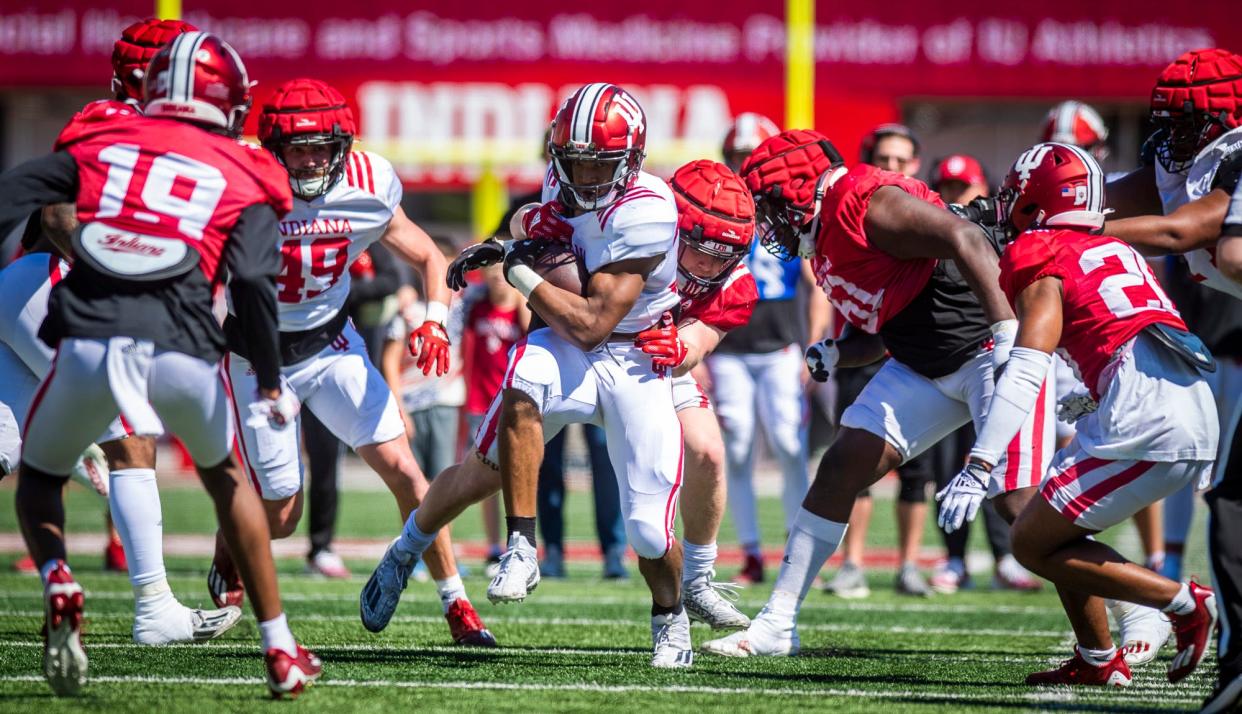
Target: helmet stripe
1066,114
182,69
1095,179
584,112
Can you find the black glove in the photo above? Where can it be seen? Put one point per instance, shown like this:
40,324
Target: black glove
479,255
524,252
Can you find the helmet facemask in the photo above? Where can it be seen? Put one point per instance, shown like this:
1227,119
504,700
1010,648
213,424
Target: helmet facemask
311,183
721,257
594,196
1182,135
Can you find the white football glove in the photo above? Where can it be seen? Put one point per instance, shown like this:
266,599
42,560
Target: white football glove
277,413
1003,335
960,500
821,359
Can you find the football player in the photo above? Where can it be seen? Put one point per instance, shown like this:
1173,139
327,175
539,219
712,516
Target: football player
1180,204
759,369
344,200
1149,423
583,367
128,481
716,225
167,204
912,280
1077,124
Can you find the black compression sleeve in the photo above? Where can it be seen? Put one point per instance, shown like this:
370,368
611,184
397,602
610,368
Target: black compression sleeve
253,260
36,183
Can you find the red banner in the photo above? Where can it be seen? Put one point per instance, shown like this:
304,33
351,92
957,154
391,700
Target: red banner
447,89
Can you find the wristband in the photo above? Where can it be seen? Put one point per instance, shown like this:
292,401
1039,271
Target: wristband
437,312
524,278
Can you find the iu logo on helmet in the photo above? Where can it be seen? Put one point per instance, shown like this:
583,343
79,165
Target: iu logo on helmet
631,112
1029,161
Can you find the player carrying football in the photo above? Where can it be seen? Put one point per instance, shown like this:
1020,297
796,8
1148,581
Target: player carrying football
166,203
344,200
1149,428
913,280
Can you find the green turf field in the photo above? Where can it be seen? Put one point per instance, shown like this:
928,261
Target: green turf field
576,644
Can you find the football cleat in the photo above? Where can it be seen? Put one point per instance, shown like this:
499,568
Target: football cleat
1225,697
1144,630
290,675
1192,630
223,581
712,603
380,595
466,626
1079,671
766,637
751,572
114,557
518,574
182,624
948,578
850,583
327,564
670,637
25,565
910,582
1010,575
64,659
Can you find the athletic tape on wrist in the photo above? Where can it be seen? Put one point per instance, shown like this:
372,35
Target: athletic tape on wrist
437,312
524,278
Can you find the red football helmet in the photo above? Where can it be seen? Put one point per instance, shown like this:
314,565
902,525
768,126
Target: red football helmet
198,78
598,123
306,112
746,133
715,224
1195,100
138,44
787,176
1072,122
1053,185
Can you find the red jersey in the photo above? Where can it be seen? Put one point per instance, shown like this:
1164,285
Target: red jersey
1108,293
488,334
867,285
729,306
168,179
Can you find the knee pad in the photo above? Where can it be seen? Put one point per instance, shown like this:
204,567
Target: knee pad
649,540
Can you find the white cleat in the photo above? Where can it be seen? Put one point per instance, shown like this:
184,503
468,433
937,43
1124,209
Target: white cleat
64,659
670,637
1144,630
712,603
180,624
517,575
764,638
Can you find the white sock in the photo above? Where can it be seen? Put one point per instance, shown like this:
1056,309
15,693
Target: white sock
1097,658
275,634
698,560
451,589
47,568
811,542
1183,603
413,540
134,498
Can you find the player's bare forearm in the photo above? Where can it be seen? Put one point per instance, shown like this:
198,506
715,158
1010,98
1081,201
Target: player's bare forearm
412,244
1134,194
1195,225
1229,257
819,312
859,349
59,221
587,321
1039,315
909,228
699,340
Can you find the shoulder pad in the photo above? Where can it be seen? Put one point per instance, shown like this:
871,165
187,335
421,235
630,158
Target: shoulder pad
1229,170
93,118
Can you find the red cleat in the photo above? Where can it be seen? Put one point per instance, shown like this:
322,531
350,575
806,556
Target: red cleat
290,675
64,659
114,558
223,581
466,627
25,565
1079,671
1192,632
752,571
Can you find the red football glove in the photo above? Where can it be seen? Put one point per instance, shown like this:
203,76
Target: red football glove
663,344
430,344
363,268
545,223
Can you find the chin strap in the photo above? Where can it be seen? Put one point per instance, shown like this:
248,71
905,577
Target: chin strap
826,180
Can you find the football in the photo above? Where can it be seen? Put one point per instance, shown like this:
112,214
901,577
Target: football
561,266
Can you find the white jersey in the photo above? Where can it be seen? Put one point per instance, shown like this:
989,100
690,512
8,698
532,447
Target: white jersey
24,288
1176,190
320,239
641,224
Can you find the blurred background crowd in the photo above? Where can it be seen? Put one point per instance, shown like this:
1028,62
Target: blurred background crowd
459,99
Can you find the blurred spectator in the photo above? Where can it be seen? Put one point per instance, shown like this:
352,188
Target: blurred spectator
959,178
756,375
496,317
895,148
